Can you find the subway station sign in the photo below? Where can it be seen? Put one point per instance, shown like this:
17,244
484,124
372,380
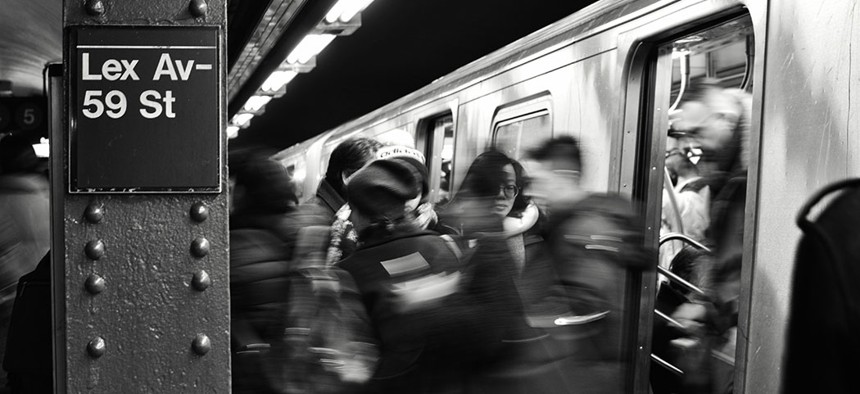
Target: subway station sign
145,110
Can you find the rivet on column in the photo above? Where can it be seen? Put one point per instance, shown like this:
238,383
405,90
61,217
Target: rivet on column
95,249
200,247
96,348
95,213
95,284
198,8
95,7
201,281
199,212
201,344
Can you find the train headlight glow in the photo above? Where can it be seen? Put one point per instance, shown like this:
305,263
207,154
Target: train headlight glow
309,47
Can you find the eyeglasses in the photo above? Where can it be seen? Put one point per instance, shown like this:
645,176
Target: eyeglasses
510,191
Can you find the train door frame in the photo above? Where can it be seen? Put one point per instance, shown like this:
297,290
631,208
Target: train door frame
432,143
642,152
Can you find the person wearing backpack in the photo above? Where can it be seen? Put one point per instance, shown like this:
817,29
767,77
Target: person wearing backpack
437,318
591,241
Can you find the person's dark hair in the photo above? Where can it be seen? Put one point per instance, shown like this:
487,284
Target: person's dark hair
562,152
268,187
485,175
347,158
17,155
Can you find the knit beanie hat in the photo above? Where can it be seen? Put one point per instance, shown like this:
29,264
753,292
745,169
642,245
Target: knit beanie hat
382,188
410,157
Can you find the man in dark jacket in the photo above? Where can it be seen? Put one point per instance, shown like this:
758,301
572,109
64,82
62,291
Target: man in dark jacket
320,210
345,160
436,319
592,241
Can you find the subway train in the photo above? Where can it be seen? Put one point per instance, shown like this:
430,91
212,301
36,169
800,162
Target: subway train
616,75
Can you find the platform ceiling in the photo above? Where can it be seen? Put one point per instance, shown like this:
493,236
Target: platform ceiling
401,46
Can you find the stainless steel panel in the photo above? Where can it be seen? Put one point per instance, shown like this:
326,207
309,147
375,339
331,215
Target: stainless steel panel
808,140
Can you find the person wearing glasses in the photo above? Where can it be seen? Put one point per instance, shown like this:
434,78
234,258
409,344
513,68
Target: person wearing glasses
530,360
493,187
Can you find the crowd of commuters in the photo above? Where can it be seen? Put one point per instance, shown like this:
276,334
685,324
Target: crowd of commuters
516,283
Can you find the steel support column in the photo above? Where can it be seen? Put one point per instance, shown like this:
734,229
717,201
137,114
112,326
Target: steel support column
141,279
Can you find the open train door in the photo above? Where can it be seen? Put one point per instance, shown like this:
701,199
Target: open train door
686,159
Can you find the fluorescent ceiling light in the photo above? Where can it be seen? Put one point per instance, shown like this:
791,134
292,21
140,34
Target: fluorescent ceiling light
232,132
309,47
277,80
256,102
344,10
242,120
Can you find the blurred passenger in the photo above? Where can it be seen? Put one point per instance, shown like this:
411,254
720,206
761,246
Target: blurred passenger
345,160
259,265
437,318
25,222
592,241
500,180
321,210
28,359
530,359
343,234
719,121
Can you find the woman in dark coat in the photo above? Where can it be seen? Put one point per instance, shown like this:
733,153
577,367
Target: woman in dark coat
531,361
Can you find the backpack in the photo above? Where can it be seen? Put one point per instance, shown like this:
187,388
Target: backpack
328,344
823,346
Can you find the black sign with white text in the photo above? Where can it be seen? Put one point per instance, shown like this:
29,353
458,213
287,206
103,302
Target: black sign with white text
145,110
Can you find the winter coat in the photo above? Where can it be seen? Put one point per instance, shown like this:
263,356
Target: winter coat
436,346
259,264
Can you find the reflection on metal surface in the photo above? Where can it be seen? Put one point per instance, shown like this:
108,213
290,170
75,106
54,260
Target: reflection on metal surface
201,280
677,279
201,344
95,249
95,284
96,347
666,365
200,247
685,238
198,8
199,212
668,319
94,213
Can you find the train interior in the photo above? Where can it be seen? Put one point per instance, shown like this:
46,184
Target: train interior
711,67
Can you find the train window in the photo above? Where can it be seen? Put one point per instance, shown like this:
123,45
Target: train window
516,136
437,142
704,79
